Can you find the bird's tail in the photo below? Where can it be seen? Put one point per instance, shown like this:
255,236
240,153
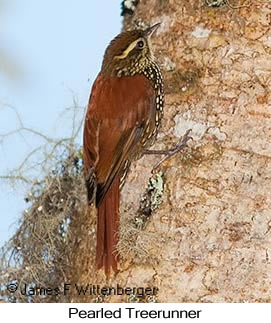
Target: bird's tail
108,229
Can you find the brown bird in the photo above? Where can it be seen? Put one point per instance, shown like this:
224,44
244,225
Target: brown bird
123,116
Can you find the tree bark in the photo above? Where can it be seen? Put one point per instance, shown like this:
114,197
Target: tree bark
209,239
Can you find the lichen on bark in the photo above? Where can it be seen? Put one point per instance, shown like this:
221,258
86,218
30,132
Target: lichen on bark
213,229
200,232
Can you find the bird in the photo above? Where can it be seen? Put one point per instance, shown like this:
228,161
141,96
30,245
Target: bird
123,117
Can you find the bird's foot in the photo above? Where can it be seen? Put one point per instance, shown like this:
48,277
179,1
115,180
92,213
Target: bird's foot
170,152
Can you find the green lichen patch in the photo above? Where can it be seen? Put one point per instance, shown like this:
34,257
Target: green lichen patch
151,199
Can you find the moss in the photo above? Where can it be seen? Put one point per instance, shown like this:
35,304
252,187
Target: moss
151,199
42,240
156,187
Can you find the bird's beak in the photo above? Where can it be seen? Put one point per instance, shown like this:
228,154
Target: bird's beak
149,31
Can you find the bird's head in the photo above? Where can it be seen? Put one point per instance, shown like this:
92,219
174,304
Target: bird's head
129,53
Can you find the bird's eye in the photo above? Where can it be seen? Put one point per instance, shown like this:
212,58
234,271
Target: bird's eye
140,44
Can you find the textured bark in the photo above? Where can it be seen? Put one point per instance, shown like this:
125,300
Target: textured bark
209,239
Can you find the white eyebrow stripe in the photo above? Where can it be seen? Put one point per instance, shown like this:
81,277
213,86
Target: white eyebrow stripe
128,49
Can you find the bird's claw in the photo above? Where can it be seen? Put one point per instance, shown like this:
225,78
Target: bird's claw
174,150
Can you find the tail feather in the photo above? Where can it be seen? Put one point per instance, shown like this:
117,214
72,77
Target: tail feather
108,229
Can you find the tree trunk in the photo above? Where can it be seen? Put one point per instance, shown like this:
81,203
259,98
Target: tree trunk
208,238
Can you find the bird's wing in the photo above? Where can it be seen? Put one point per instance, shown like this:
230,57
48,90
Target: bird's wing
118,112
